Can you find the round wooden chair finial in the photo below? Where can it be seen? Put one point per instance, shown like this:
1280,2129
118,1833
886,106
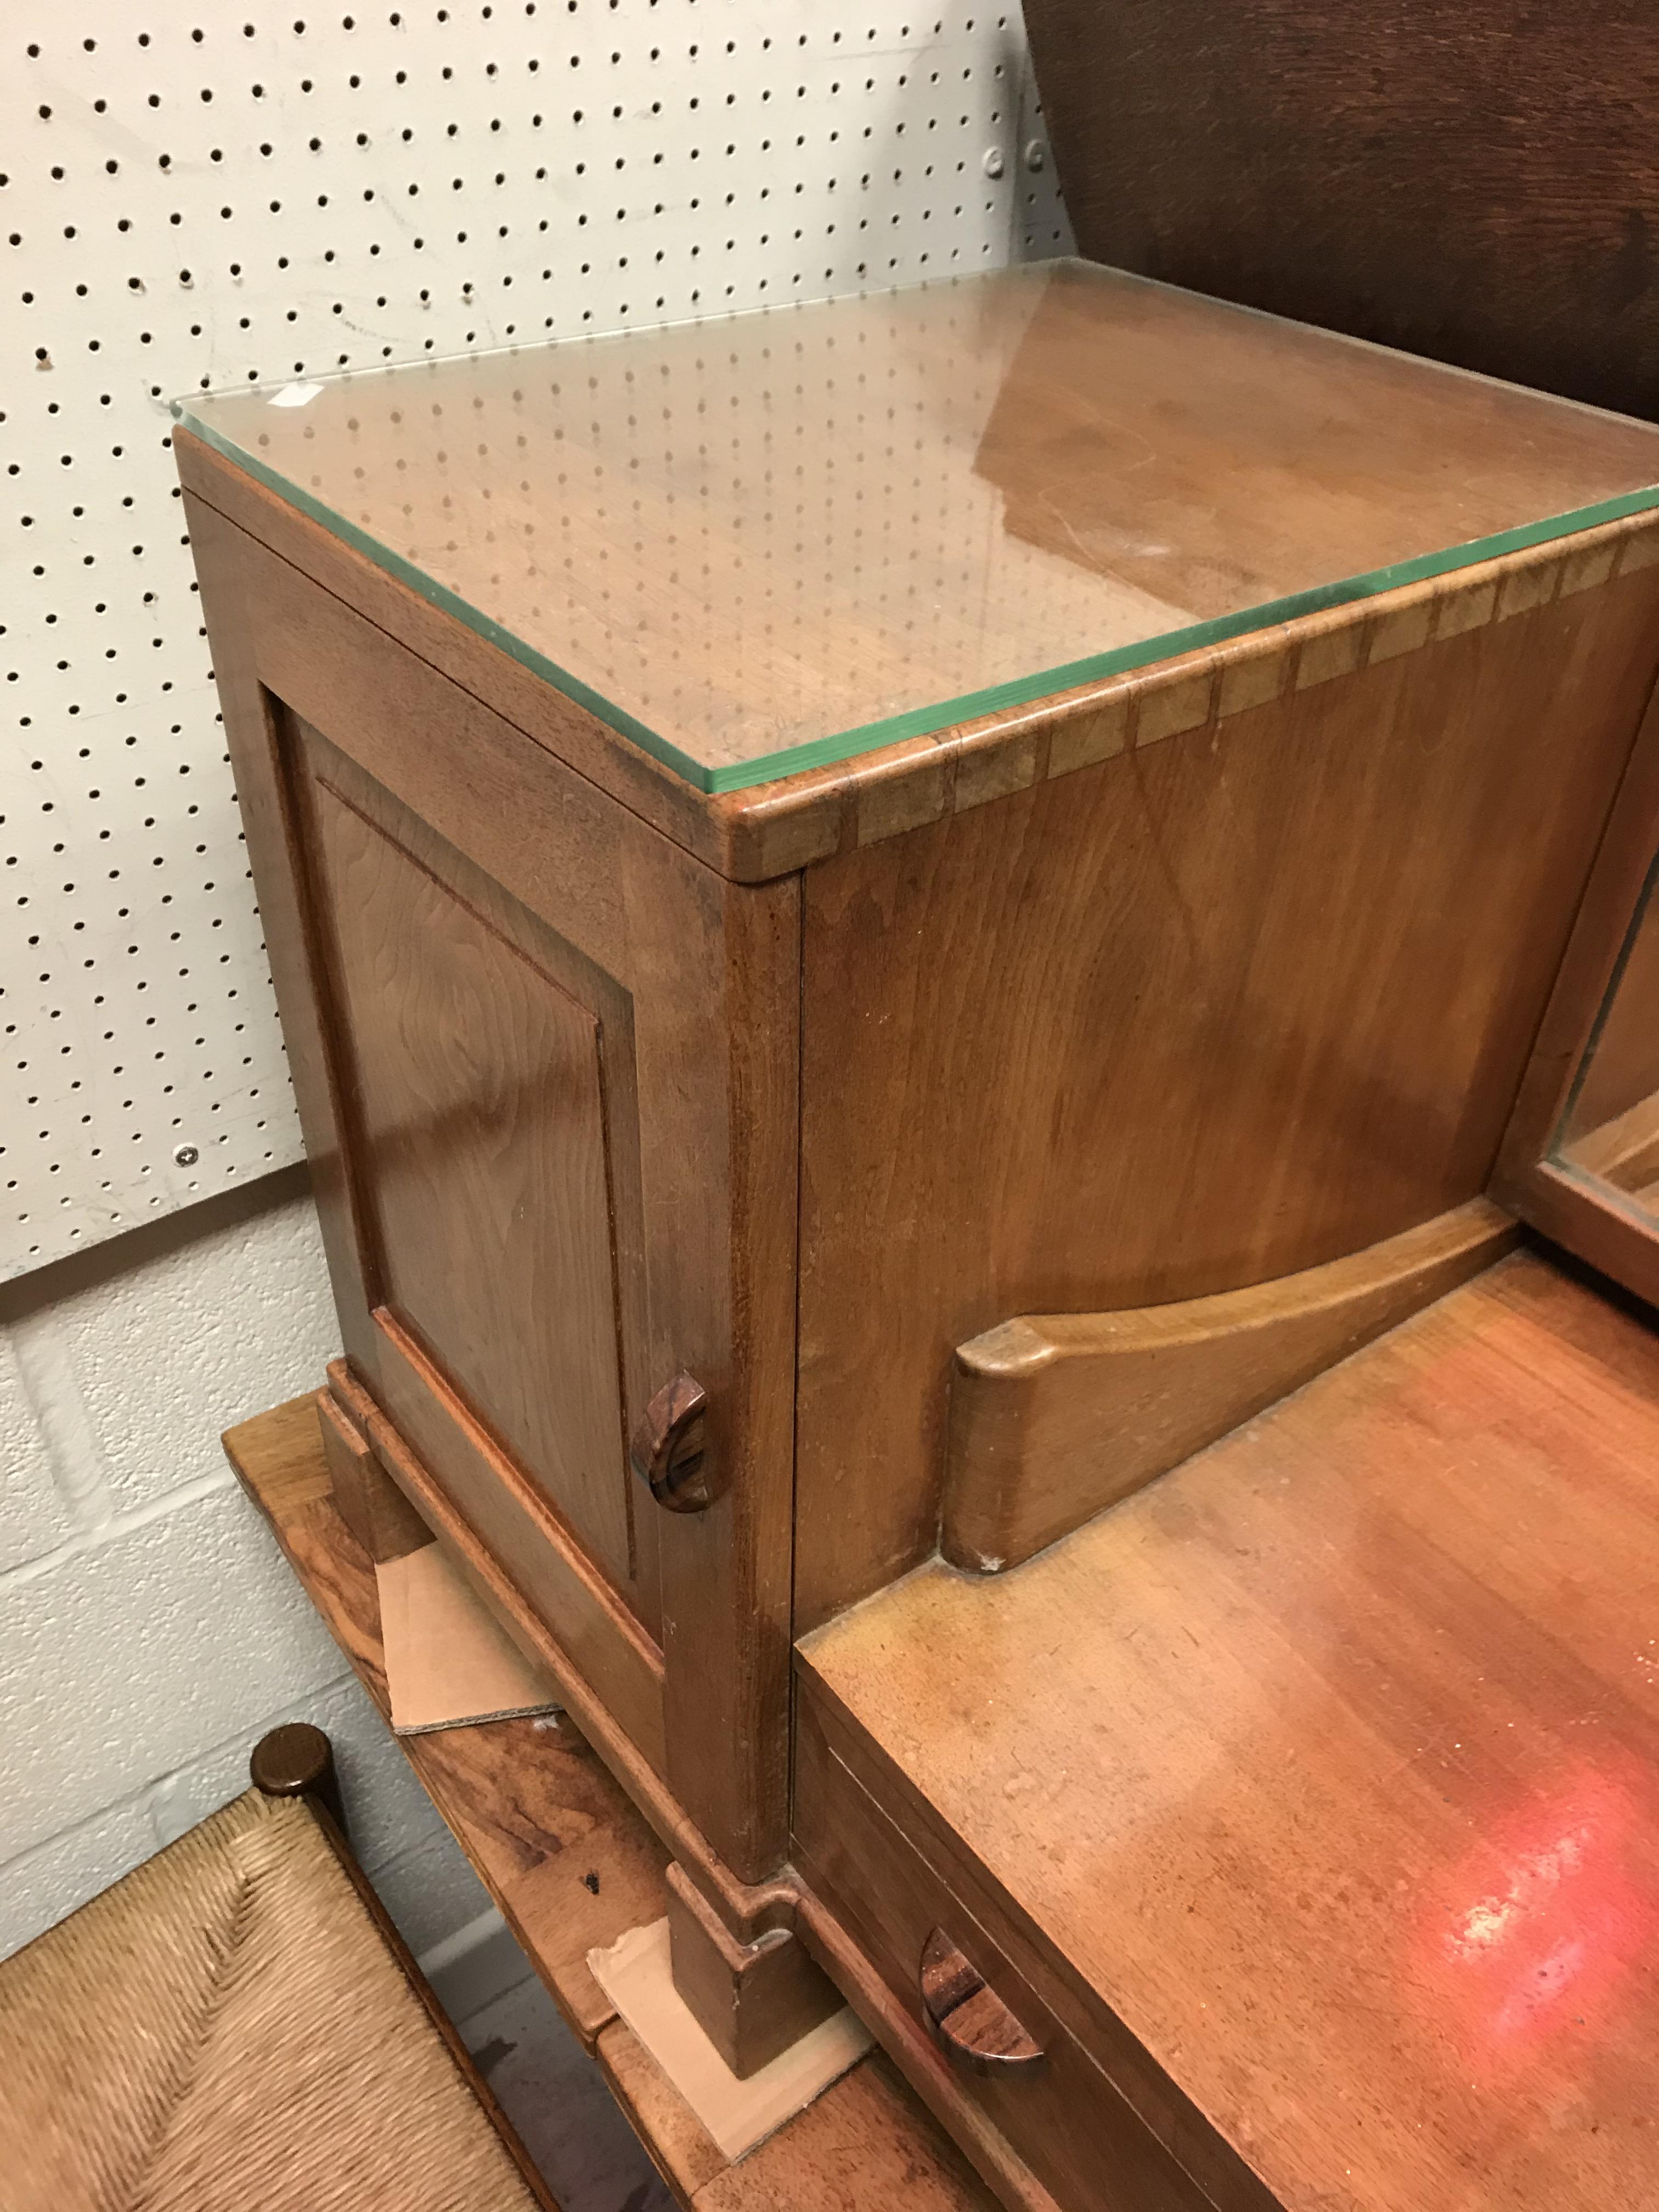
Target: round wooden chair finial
297,1760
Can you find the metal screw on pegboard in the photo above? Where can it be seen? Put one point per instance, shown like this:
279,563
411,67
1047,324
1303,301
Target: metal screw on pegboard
993,162
186,1156
1034,155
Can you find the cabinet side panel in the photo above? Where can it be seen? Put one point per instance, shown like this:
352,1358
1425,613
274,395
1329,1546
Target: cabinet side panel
700,979
1227,1006
259,753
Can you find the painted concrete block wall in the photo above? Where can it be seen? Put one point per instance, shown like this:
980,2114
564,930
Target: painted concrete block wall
149,1630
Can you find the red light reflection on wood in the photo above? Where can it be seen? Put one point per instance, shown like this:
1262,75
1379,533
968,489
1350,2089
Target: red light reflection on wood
1539,1926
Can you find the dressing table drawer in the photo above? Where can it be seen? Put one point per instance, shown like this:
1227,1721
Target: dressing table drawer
1104,2133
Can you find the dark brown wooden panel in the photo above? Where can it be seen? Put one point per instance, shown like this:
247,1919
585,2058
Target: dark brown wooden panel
1473,181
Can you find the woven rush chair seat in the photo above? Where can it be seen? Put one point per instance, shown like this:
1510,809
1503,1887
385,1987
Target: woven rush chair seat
230,2025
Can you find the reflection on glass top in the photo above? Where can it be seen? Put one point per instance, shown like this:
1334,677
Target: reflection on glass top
781,538
1610,1131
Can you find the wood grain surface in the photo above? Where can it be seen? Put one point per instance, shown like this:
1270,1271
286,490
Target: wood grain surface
533,1807
751,2000
479,1092
1107,462
1099,2135
836,1940
1474,183
572,1866
685,2153
1056,1416
609,1673
1322,1771
497,1178
1211,1012
702,1118
754,835
366,1498
855,2151
220,496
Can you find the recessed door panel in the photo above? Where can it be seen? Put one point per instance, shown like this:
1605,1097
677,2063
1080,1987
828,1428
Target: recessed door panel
477,1085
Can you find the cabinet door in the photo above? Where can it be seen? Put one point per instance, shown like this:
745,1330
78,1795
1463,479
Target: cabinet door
546,1064
500,1177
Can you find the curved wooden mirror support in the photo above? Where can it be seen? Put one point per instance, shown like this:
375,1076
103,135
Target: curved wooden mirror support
1580,1160
1054,1416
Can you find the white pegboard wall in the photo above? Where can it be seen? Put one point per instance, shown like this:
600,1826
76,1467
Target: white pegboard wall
196,199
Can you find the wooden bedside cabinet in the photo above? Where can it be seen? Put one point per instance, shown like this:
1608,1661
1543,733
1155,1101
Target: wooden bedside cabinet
838,877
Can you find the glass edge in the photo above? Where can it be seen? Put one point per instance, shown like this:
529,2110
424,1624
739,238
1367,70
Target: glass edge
181,404
1353,340
451,602
838,746
927,721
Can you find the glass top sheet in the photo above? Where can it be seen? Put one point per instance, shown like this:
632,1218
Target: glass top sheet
773,540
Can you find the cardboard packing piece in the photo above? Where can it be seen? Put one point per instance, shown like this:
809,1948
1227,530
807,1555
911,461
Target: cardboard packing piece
449,1661
636,1975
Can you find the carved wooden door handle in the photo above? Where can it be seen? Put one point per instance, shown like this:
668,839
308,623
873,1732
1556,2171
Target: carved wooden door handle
970,2020
668,1450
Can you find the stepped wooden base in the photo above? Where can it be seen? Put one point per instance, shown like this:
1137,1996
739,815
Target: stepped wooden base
737,1962
751,2000
370,1504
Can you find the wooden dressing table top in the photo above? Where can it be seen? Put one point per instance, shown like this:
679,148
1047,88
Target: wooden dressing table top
1330,1762
761,543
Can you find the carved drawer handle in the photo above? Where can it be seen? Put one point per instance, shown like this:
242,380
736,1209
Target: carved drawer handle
970,2020
667,1449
